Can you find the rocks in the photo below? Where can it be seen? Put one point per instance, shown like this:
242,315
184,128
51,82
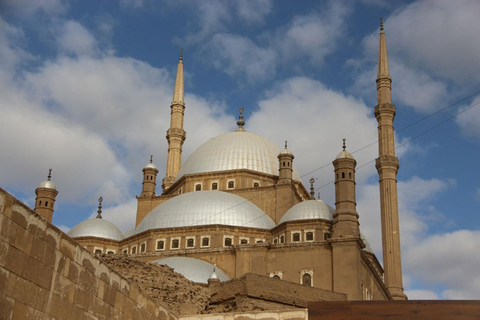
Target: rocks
172,289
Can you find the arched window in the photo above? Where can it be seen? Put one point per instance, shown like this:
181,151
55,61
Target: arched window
46,203
205,242
231,184
288,164
143,247
175,243
40,203
125,251
343,175
326,236
350,175
282,239
134,250
309,236
276,277
296,237
228,242
284,163
160,245
190,243
214,186
98,251
244,241
110,252
275,240
198,187
307,280
256,184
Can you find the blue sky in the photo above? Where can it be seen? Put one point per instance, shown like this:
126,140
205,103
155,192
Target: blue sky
86,87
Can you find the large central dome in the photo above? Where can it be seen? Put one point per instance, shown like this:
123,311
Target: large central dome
234,150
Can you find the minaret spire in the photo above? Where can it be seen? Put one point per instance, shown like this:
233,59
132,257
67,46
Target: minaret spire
387,167
175,134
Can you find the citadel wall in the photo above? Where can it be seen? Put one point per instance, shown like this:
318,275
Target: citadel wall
44,274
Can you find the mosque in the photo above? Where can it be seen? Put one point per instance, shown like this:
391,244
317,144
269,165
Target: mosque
237,206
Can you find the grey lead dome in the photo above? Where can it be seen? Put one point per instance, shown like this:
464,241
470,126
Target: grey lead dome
47,184
235,150
99,228
206,208
310,209
193,269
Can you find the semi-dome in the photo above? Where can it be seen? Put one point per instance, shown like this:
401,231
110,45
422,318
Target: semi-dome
193,269
96,227
306,210
235,150
206,208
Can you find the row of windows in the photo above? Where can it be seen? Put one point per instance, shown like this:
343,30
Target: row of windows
296,236
306,277
149,178
214,186
46,203
189,243
100,250
343,175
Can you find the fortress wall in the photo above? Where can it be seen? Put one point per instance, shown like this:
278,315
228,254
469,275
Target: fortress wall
44,274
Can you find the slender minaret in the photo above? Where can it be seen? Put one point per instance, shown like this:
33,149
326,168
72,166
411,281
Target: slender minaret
149,179
345,218
46,194
285,165
175,134
387,167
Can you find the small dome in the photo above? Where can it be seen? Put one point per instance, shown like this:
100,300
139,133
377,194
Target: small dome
213,275
96,227
47,184
235,150
306,210
193,269
151,165
202,208
345,154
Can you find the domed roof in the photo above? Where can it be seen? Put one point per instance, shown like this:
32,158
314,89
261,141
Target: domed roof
47,184
96,227
345,154
310,209
206,208
151,165
193,269
235,150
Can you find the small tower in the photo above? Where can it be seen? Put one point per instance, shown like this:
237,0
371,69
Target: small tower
285,167
149,179
345,217
387,167
175,134
45,201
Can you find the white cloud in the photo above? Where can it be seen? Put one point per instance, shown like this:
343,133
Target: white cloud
239,56
314,120
123,215
253,11
12,53
438,36
447,259
421,295
75,38
314,35
135,4
468,120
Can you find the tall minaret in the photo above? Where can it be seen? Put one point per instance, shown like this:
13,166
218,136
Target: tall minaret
175,135
387,167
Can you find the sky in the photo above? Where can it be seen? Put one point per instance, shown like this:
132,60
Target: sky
86,88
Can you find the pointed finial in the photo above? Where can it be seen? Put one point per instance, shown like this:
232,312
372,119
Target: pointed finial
181,54
318,196
99,211
49,174
312,188
381,24
151,158
240,121
285,144
344,146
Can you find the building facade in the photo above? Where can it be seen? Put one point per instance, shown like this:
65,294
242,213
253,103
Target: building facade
237,204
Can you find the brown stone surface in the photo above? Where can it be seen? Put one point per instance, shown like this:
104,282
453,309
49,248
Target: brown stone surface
383,310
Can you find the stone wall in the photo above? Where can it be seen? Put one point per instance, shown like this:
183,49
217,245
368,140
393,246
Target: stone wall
44,274
269,315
